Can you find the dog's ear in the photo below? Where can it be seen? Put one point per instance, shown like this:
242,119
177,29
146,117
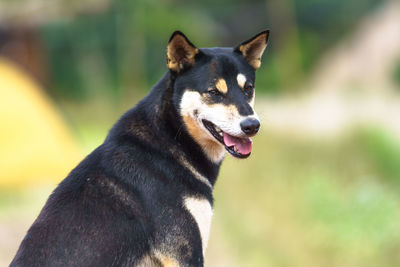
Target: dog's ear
253,49
180,52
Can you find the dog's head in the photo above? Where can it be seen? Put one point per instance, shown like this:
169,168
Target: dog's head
214,93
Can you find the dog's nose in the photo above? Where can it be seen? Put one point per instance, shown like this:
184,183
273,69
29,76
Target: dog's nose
250,126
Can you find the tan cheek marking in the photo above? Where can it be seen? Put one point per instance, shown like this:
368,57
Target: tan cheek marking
241,79
221,86
193,128
212,148
197,133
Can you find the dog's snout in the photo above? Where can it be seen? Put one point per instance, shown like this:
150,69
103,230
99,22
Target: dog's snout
250,126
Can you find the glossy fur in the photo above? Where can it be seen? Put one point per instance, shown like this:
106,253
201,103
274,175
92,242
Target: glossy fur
124,204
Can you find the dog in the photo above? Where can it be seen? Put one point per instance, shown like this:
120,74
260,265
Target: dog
144,196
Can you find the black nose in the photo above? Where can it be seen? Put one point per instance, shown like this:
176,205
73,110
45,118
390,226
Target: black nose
250,126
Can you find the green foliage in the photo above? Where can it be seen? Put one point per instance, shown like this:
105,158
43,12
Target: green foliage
123,48
384,151
350,215
82,51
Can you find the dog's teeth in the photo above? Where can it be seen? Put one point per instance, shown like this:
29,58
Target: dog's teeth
235,149
218,130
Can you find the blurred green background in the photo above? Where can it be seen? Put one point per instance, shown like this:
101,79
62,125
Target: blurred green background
322,185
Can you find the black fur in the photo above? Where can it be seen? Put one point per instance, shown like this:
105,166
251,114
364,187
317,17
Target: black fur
124,199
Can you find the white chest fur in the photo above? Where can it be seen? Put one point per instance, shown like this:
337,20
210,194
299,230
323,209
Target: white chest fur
201,210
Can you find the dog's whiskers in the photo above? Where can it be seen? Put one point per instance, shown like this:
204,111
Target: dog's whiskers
178,132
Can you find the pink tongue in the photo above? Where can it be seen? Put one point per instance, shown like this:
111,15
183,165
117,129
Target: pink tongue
243,145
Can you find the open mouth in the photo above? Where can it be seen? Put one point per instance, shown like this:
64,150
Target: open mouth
239,147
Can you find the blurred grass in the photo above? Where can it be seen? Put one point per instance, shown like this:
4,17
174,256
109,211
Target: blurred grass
385,152
313,202
18,210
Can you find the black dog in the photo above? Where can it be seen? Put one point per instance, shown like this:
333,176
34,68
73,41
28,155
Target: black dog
144,197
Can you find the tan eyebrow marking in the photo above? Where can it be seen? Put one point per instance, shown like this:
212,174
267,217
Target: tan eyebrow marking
221,86
241,79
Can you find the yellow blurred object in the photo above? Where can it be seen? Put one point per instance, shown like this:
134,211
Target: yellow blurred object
36,147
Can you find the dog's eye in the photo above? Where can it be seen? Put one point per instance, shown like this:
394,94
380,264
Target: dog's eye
248,87
214,92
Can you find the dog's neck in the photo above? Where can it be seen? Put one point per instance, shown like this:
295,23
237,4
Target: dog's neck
166,122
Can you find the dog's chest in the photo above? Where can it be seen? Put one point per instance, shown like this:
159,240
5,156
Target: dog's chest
201,211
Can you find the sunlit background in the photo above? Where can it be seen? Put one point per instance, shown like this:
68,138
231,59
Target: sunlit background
322,187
